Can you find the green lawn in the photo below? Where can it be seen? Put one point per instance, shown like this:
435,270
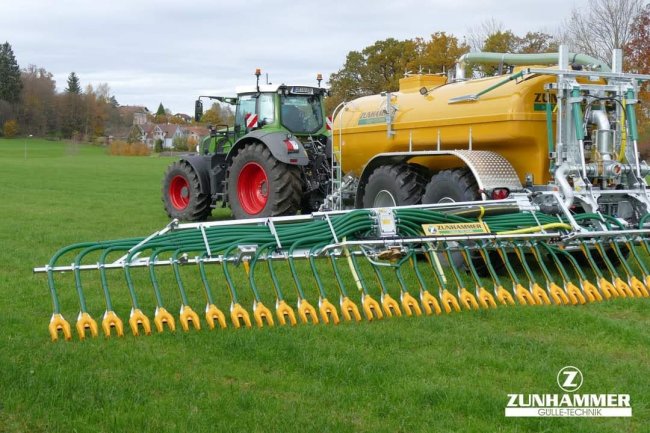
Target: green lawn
447,373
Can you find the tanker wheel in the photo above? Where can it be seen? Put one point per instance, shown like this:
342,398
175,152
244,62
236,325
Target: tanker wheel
456,185
181,193
393,185
448,186
260,186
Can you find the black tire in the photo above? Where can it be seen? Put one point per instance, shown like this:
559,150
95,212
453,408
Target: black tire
282,189
393,185
181,193
453,185
456,185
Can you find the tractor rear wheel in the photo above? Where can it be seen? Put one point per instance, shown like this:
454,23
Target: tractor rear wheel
181,193
393,185
260,186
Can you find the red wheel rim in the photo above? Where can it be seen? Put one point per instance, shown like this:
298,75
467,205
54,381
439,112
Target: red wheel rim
179,192
253,188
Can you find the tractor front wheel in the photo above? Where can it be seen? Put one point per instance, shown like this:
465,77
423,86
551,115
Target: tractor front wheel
260,186
181,193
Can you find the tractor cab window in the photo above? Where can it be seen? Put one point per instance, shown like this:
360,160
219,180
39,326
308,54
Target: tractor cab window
261,105
266,109
301,113
246,105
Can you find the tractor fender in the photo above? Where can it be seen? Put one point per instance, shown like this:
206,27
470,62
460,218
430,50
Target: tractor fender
201,165
275,142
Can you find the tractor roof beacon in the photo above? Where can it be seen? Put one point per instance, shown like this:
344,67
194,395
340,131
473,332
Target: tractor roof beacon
274,161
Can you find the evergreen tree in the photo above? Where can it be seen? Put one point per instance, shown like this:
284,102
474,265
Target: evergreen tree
10,83
74,86
161,110
72,107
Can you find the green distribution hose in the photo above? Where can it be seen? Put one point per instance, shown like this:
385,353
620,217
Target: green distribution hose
283,240
312,263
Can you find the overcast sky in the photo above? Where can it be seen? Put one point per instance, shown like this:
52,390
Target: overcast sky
152,51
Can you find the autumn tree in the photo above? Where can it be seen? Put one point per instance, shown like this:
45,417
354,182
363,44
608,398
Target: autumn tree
601,27
38,112
500,42
437,55
379,66
212,116
345,84
177,120
637,49
10,128
637,59
218,115
376,68
90,112
505,41
477,35
537,42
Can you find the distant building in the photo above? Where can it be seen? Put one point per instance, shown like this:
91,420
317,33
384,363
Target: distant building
167,133
184,117
149,133
135,114
195,134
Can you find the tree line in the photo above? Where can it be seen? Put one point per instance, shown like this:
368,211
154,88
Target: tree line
31,105
596,30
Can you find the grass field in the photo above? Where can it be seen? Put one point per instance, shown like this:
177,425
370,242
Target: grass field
450,373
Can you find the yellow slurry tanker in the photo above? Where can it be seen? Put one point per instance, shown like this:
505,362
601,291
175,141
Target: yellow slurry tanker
557,122
531,181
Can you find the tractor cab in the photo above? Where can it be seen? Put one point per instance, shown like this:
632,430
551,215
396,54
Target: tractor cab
297,110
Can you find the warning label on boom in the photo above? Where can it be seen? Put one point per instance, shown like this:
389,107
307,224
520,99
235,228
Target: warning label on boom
455,229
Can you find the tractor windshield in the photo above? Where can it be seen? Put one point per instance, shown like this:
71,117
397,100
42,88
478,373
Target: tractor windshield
301,113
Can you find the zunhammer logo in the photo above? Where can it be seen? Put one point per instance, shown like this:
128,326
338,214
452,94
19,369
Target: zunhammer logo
569,379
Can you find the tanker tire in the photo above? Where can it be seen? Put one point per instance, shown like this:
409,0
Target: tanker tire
284,189
400,184
456,185
198,203
451,186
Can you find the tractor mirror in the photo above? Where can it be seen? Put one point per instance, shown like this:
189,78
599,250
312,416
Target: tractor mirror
198,110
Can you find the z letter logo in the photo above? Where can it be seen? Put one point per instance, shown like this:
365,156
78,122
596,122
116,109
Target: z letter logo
569,379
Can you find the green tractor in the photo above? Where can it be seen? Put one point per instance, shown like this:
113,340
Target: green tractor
274,161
